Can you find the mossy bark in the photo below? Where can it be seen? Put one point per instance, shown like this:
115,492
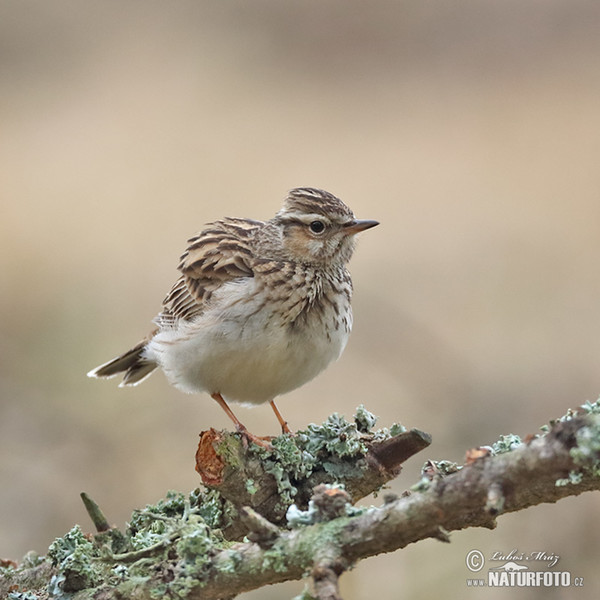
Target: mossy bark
195,565
250,479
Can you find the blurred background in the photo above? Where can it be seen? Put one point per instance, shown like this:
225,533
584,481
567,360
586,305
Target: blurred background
470,130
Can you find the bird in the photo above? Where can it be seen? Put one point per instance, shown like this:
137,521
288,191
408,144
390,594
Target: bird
259,309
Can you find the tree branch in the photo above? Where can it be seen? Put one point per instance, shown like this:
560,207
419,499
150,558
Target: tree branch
195,565
269,481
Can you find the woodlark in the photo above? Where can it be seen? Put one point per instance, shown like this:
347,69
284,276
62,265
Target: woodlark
259,309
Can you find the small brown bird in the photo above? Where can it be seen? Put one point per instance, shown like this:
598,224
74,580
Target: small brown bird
259,309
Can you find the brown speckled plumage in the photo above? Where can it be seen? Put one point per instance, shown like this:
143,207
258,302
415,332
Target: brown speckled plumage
259,308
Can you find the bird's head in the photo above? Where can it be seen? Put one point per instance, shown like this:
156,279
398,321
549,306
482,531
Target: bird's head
316,227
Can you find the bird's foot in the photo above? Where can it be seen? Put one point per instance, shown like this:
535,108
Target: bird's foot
263,442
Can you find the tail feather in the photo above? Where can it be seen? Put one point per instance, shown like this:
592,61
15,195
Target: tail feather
132,363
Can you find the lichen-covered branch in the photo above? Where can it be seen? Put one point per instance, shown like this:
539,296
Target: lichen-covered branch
269,480
325,538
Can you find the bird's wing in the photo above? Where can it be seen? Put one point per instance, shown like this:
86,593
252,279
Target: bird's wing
218,254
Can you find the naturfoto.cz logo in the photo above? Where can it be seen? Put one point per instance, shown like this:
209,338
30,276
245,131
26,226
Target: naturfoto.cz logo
511,572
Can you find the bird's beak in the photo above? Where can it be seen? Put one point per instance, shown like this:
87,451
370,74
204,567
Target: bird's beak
358,225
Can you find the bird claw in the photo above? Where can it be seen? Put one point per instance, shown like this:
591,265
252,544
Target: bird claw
263,442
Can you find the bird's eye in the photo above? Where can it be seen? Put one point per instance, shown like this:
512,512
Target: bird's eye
317,227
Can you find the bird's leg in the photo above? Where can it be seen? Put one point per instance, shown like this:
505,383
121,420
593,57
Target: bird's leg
282,421
221,401
238,424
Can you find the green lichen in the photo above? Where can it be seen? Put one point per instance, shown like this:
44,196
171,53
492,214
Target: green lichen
422,485
336,436
6,570
182,533
231,561
446,467
587,451
192,527
506,443
251,487
73,555
296,517
292,456
434,469
63,548
587,408
32,559
153,517
151,525
299,518
342,470
186,529
336,446
365,420
216,512
591,408
195,547
154,523
197,550
111,542
150,536
274,559
440,468
119,573
289,463
395,429
574,478
227,449
22,596
195,544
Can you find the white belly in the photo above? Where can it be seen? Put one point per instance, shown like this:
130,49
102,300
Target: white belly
246,353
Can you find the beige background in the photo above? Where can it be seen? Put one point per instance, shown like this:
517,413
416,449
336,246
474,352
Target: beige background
471,130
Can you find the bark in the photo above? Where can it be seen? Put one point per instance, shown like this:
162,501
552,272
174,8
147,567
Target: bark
224,465
564,462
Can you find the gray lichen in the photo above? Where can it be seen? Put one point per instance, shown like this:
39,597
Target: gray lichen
587,450
299,518
182,532
365,420
506,443
22,596
574,477
181,529
434,469
251,487
175,546
74,556
587,408
337,446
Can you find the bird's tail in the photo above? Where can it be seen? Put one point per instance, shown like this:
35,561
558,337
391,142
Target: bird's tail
135,366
